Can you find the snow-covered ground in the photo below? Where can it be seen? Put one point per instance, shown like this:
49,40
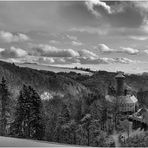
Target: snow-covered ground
17,142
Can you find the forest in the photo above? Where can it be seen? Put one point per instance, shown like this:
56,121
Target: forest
76,117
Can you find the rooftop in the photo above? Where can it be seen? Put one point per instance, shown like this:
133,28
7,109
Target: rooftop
122,99
120,75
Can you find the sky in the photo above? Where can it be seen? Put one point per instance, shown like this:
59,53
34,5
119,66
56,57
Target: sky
101,35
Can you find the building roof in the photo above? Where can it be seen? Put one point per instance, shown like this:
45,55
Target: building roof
127,99
120,75
122,99
141,115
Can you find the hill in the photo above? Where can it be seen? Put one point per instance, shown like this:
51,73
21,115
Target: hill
53,68
50,85
18,142
75,85
41,80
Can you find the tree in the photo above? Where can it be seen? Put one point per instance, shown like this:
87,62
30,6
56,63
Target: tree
136,140
29,121
65,114
126,126
5,100
62,119
86,124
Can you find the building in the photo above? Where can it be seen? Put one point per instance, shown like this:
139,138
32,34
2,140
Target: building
125,103
120,104
140,119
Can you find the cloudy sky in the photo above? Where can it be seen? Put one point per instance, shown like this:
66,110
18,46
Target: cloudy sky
109,35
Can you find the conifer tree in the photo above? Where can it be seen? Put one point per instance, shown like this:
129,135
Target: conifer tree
4,105
65,113
62,119
29,122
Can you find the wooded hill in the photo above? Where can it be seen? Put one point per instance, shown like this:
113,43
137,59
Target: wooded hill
69,84
75,117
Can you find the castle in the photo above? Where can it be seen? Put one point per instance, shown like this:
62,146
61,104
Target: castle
125,103
120,104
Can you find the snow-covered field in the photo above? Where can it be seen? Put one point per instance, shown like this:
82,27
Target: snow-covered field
17,142
51,68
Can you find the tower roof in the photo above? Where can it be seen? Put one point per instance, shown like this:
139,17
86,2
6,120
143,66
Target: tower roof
120,75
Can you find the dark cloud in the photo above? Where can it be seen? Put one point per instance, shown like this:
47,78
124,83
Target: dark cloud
76,14
118,14
130,17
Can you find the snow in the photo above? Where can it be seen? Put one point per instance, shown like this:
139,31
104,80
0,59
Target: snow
18,142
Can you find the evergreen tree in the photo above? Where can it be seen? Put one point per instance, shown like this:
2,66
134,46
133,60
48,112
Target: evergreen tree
65,114
29,121
62,120
86,121
5,100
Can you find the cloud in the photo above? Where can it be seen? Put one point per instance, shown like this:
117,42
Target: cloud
76,43
71,60
46,60
13,52
104,60
91,30
115,7
72,37
55,60
140,38
13,37
87,53
128,50
91,4
51,51
128,14
123,60
146,51
105,49
54,42
120,60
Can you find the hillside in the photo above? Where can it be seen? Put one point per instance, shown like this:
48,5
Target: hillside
18,142
49,83
102,79
52,68
78,97
42,81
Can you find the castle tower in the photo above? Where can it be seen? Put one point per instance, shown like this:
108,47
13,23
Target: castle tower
120,84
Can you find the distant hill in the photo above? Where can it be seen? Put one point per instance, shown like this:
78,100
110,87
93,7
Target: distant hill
53,68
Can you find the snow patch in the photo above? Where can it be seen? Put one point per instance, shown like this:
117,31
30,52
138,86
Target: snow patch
50,95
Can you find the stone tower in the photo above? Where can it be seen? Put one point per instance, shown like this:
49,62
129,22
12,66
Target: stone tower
120,84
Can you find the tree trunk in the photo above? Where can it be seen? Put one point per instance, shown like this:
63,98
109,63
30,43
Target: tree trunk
88,137
75,142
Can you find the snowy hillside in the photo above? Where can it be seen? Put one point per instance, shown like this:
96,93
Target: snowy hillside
16,142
